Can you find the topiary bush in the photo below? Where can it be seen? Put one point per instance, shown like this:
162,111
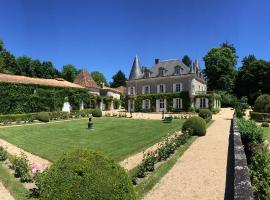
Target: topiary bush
206,114
85,174
195,126
97,113
43,117
265,124
262,104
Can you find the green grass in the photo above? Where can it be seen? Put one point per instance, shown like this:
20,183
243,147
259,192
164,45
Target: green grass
15,188
267,133
116,137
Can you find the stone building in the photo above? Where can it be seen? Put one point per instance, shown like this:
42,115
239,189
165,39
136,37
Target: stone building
166,83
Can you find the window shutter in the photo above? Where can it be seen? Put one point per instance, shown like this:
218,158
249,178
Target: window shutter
134,92
197,102
143,104
164,88
181,104
181,87
157,105
165,105
174,103
206,102
149,104
149,90
143,89
158,91
174,87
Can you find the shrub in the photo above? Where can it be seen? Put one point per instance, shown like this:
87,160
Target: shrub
262,104
21,167
3,154
206,114
43,117
260,117
97,113
149,160
215,110
260,173
265,124
195,125
85,174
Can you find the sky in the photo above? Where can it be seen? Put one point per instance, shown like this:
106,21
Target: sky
105,35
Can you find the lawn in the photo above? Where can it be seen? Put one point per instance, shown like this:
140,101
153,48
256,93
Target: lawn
117,137
267,133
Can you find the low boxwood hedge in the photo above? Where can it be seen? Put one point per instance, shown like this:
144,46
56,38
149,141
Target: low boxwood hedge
85,175
195,126
97,113
206,114
43,117
260,117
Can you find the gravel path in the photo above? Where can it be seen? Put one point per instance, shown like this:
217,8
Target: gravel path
4,193
201,172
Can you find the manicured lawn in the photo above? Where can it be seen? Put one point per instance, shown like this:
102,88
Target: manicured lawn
267,133
116,137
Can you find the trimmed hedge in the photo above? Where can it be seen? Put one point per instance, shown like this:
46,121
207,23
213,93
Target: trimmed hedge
195,125
265,124
85,175
97,113
262,104
206,114
43,117
260,117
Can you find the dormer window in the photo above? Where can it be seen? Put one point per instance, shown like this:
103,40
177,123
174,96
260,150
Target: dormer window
146,74
161,71
177,70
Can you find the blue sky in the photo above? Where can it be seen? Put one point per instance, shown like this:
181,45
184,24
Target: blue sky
105,35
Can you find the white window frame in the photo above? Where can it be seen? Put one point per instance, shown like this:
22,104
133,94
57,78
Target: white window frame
161,102
144,91
177,70
202,102
159,87
147,104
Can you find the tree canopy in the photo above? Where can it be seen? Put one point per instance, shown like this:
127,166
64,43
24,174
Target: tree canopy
119,79
220,68
186,60
99,78
69,72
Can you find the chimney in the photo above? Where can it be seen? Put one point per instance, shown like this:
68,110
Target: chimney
157,60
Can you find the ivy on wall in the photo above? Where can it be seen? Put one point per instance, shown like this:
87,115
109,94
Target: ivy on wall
19,98
153,97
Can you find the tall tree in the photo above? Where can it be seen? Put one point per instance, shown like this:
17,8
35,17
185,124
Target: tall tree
186,60
8,63
1,45
119,79
24,63
69,72
99,78
220,69
253,78
226,44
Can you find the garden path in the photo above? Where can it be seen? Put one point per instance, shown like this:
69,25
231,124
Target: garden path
201,171
4,193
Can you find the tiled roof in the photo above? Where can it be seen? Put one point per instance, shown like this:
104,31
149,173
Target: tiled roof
121,89
85,79
115,90
9,78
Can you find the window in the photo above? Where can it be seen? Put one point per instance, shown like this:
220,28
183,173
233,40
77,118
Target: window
178,103
132,90
161,72
161,103
178,87
177,70
202,103
146,74
146,89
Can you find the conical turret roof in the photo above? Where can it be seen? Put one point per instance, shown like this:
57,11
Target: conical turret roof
85,79
136,71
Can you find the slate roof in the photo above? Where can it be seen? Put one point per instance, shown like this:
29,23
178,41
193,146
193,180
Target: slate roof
136,71
85,79
59,82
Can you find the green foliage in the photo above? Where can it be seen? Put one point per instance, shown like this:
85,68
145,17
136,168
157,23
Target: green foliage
215,110
220,64
227,99
19,118
206,114
117,103
99,78
186,60
43,117
260,117
85,175
119,79
97,113
8,63
253,78
265,124
21,167
69,72
3,154
21,98
260,173
195,125
262,104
